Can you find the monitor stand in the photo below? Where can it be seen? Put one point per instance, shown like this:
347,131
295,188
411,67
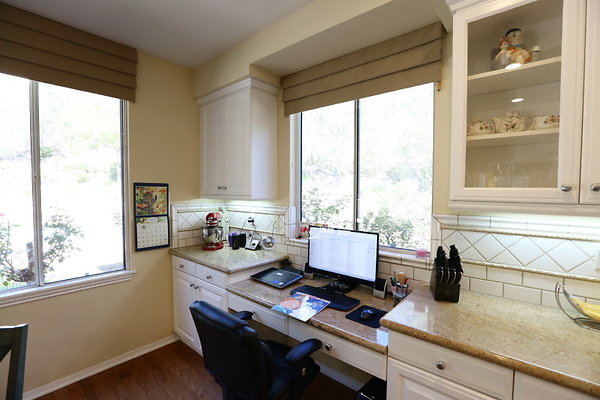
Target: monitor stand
342,285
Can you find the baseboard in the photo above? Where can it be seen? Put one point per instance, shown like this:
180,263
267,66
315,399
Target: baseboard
70,379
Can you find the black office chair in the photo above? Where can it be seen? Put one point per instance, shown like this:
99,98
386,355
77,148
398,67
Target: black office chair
13,339
246,367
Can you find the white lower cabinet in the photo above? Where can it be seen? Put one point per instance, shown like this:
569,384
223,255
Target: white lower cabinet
186,290
421,370
405,382
530,388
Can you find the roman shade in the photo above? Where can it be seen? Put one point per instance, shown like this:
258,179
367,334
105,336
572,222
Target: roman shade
407,60
40,49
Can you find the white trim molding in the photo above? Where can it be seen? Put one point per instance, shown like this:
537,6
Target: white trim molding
103,366
29,293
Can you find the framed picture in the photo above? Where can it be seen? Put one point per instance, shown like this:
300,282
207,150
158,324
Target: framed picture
151,215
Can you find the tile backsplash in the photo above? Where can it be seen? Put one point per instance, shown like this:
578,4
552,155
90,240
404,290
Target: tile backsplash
514,258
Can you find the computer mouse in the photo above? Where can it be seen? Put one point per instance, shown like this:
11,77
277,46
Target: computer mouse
367,314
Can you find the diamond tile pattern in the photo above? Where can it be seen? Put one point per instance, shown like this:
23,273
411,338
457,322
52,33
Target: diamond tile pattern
540,253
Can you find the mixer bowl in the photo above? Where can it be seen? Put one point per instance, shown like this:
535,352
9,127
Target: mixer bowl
211,234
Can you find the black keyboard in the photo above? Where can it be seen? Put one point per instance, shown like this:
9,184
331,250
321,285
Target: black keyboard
338,301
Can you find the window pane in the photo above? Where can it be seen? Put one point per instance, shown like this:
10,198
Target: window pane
395,162
16,207
328,165
80,152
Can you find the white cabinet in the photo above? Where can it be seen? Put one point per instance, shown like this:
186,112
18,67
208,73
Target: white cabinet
536,163
405,382
238,130
421,365
184,294
530,388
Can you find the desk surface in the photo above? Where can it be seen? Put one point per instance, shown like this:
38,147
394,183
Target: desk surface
329,320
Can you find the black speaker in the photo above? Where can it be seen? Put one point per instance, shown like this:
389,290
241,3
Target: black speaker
380,288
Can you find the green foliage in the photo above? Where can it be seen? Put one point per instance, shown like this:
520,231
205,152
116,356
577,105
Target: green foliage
314,208
393,232
59,233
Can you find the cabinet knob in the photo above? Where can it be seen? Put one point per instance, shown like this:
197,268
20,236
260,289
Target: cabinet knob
224,187
440,365
328,346
181,266
208,276
566,188
219,187
595,187
191,285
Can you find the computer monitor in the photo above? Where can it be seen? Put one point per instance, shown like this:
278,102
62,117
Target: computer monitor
350,256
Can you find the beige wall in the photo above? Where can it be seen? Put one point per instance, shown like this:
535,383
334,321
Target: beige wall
75,331
312,19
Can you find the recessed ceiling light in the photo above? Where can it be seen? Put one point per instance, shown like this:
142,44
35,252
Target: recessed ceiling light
517,100
513,66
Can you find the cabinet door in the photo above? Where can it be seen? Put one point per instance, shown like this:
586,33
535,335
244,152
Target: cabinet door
211,165
530,388
405,382
590,176
213,295
236,144
516,133
185,293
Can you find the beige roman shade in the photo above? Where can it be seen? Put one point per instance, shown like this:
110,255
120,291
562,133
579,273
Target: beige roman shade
407,60
40,49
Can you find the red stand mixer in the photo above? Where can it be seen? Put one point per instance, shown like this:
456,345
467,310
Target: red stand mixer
212,233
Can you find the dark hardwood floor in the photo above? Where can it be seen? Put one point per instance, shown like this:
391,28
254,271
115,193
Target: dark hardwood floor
171,372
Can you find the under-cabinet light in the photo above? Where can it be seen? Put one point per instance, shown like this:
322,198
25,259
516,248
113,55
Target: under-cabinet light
517,100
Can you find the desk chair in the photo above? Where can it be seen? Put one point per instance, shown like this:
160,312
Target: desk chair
13,339
246,367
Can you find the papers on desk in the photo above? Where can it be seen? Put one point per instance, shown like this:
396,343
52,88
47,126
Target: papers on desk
301,306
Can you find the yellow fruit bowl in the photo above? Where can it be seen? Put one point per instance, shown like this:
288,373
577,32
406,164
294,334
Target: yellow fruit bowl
590,312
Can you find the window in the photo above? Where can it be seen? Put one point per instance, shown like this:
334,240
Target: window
61,174
367,164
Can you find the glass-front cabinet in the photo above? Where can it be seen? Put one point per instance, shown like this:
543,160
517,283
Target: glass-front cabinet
518,88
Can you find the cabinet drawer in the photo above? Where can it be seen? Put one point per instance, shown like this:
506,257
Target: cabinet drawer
181,264
362,358
478,374
262,314
210,275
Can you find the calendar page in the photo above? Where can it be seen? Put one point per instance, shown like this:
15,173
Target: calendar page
151,232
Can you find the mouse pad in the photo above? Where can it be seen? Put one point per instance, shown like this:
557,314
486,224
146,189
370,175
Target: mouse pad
373,323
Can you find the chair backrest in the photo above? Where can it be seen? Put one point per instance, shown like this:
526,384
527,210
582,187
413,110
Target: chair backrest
233,353
13,339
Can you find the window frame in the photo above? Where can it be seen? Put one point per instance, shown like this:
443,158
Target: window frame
41,289
408,255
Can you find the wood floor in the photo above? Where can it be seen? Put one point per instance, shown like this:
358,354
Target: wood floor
171,372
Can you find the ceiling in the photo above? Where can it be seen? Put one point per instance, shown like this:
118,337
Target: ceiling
186,32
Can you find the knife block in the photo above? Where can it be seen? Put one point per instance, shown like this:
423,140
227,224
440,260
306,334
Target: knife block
443,291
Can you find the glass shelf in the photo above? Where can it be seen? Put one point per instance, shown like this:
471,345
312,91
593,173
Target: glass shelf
514,138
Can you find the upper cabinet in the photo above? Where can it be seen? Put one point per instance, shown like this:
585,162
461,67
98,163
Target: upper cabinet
519,111
238,138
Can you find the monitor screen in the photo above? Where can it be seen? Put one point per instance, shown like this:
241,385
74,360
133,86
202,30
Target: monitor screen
343,253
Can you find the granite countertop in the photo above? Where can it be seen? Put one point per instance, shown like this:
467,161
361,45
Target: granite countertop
328,320
228,260
536,340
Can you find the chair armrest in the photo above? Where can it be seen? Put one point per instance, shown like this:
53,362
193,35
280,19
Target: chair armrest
302,351
245,315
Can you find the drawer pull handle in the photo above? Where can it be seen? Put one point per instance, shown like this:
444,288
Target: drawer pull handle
595,187
440,365
208,276
181,266
328,346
